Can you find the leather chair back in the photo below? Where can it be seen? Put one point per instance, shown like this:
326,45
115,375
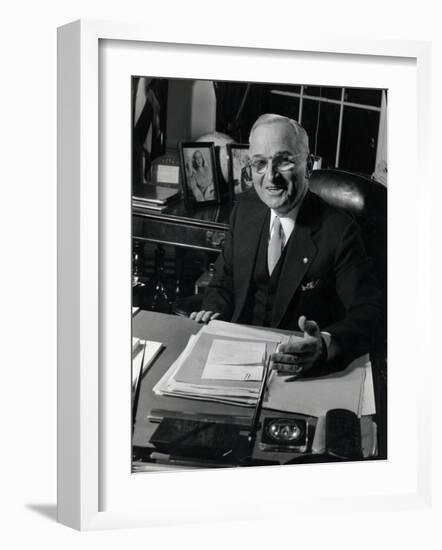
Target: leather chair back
366,200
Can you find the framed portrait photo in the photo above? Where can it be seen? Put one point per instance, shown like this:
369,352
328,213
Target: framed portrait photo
98,488
199,178
240,169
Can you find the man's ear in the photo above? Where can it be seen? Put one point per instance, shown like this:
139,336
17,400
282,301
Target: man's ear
310,161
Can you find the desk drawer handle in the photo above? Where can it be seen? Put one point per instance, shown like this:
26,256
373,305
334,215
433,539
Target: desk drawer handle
215,238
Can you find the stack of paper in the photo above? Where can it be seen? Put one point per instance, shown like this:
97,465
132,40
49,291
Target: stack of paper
217,365
154,197
235,360
224,363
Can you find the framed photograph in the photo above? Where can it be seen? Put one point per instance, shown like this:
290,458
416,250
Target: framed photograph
96,485
240,169
199,182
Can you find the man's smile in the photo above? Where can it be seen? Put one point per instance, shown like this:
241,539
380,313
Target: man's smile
275,189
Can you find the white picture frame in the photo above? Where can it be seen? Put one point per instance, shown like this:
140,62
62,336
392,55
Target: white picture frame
86,319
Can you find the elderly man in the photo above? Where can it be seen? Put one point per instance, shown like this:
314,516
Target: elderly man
293,262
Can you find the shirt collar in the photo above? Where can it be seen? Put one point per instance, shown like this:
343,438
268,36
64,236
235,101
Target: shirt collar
288,220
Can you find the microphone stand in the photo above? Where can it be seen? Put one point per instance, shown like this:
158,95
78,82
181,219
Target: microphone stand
251,438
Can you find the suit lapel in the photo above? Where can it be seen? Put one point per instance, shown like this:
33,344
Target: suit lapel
299,255
244,260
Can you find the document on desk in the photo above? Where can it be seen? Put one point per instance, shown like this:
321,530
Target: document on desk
241,360
315,396
189,375
185,376
192,376
351,388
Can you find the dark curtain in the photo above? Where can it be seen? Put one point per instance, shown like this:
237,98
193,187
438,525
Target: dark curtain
238,105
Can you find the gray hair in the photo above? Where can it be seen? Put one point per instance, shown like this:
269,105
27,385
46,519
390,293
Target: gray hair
301,137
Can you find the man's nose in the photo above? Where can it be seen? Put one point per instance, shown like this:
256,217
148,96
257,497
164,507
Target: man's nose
270,171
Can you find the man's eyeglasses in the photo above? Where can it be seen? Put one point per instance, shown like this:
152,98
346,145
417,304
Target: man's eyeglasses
281,162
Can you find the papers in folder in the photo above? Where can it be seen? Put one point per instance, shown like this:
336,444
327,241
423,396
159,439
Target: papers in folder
231,360
221,377
213,364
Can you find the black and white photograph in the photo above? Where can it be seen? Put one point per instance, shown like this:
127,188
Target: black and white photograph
236,373
199,178
240,168
260,323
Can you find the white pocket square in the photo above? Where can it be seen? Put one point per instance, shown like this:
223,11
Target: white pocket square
310,285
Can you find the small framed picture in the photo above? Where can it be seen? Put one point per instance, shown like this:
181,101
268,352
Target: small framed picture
199,182
240,169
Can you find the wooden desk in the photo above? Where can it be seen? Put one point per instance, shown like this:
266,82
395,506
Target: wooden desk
201,228
174,333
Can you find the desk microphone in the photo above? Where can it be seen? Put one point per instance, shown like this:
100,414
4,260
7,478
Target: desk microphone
257,413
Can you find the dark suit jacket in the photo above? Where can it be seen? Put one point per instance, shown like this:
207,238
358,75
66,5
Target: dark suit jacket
326,274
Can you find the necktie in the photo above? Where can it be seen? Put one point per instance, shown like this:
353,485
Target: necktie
276,245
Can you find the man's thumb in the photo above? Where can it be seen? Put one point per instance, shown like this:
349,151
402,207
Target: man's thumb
309,327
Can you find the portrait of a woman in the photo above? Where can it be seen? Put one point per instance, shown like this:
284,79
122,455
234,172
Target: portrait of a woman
200,178
198,166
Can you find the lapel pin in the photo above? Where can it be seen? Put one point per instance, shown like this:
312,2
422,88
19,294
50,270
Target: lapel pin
305,260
